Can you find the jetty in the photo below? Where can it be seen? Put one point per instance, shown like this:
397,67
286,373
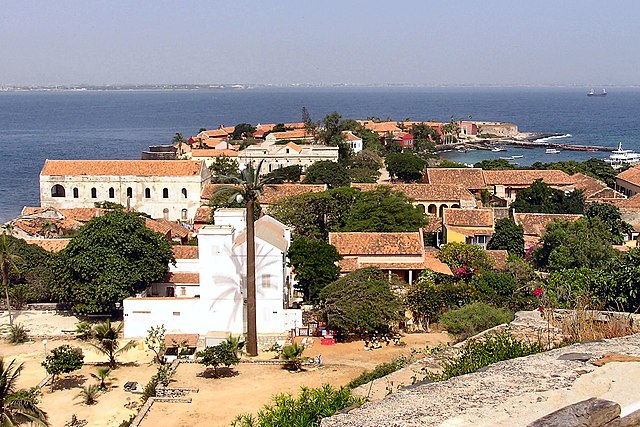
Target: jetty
528,141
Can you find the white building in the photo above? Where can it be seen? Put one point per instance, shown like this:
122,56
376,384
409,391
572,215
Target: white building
280,156
168,189
206,290
355,142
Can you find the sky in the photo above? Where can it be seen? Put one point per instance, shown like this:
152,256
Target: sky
452,42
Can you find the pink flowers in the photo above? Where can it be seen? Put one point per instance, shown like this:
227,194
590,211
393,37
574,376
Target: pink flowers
537,292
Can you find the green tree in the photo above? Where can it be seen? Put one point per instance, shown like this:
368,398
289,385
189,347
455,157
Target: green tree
223,169
111,258
310,127
221,354
360,301
287,174
8,266
327,172
313,261
508,236
619,287
106,336
103,374
495,164
331,132
242,131
18,406
425,299
460,255
293,355
155,343
248,186
383,210
610,216
365,167
540,198
425,135
407,167
62,360
370,140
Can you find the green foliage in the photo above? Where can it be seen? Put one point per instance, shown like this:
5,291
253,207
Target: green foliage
449,164
19,406
107,343
109,205
596,168
620,287
314,263
331,132
424,136
370,140
293,355
501,289
155,342
381,370
89,394
17,334
611,218
221,354
479,353
26,269
62,360
287,174
407,167
473,318
540,198
565,287
102,375
112,258
84,330
508,236
495,164
304,411
327,172
459,255
360,301
226,198
365,167
242,131
223,168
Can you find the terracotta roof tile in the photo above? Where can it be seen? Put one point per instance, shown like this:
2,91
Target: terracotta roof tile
425,192
209,152
535,224
274,192
171,340
434,225
289,134
122,167
158,227
177,230
630,203
499,257
468,217
377,243
49,245
203,215
185,252
431,262
83,214
469,178
214,133
208,190
631,175
382,127
348,265
526,177
36,227
182,277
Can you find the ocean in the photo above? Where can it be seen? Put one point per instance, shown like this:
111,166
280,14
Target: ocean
35,126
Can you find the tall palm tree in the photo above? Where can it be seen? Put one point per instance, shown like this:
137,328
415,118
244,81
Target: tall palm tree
178,139
107,337
248,186
17,406
8,264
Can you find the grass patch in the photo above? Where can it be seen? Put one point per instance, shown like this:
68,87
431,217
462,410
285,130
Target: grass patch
380,371
473,318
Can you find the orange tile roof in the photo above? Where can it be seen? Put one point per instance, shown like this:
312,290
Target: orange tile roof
630,203
631,175
526,177
434,225
349,136
290,134
203,215
36,226
291,145
377,243
158,227
210,152
297,125
122,167
214,133
208,190
431,262
382,127
535,224
176,229
348,265
182,277
274,192
83,214
425,192
499,257
469,178
49,245
172,340
468,217
185,252
30,210
265,127
594,189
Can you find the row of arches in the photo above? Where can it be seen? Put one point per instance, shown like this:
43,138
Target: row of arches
435,210
59,191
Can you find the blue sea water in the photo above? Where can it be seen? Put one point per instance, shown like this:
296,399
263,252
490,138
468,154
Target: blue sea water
35,126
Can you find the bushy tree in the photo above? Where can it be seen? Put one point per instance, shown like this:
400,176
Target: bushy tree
331,132
314,265
18,406
62,360
365,167
107,342
327,172
407,167
111,258
620,287
360,301
495,164
460,255
508,236
610,216
540,198
223,168
243,130
287,174
221,354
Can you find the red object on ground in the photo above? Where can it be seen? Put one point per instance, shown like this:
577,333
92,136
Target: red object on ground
328,341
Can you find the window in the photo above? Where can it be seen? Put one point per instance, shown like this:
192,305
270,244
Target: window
170,292
129,192
57,191
112,193
76,193
184,214
94,193
165,213
165,193
266,281
147,193
184,193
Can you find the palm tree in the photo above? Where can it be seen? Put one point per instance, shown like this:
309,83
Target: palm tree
107,337
178,139
89,394
248,186
293,355
103,375
8,265
17,406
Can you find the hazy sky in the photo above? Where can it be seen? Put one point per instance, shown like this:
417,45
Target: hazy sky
503,42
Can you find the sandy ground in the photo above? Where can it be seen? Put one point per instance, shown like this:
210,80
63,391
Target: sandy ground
219,400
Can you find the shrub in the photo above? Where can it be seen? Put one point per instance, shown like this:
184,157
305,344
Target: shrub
476,354
293,355
382,370
89,394
306,411
17,334
474,318
84,330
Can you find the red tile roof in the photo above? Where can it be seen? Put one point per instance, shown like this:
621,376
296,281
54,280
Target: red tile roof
208,190
185,252
121,167
631,175
203,215
182,277
83,214
290,134
49,245
158,227
172,340
527,177
377,243
499,257
425,192
209,152
535,224
469,178
274,192
176,229
468,217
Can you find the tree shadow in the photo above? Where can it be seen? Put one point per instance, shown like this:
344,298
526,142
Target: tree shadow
69,381
223,372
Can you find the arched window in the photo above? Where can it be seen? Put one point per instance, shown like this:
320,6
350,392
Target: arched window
184,214
76,193
112,193
421,208
57,191
147,193
94,193
455,206
165,213
129,192
432,209
184,193
165,193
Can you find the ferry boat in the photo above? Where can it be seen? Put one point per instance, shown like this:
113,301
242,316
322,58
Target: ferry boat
551,151
592,93
621,157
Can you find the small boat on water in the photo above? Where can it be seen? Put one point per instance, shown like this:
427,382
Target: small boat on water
551,151
592,93
621,157
517,157
496,149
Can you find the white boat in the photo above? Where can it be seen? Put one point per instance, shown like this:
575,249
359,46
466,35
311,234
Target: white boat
517,157
496,149
620,157
506,158
551,151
